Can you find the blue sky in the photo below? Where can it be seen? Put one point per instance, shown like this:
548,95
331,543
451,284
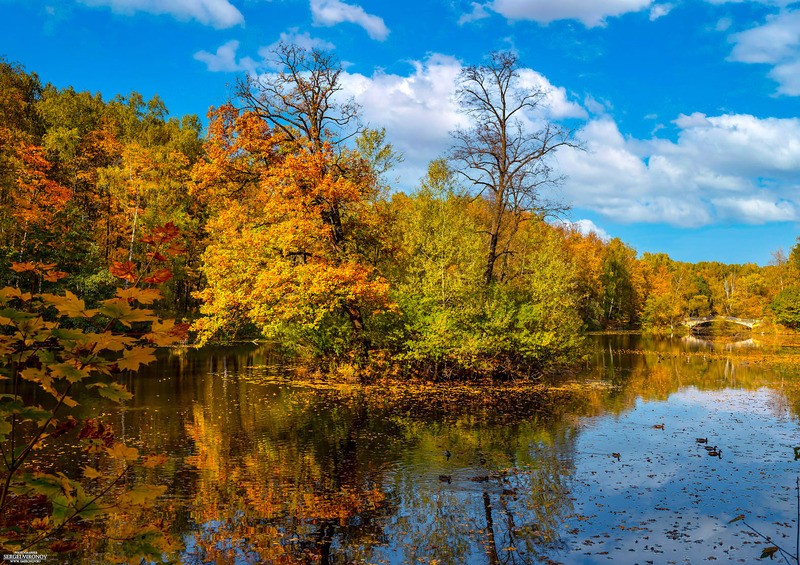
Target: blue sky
689,110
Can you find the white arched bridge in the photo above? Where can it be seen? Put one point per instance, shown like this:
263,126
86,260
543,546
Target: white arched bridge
694,322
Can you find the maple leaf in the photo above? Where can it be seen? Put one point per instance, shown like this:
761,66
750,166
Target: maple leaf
64,426
119,309
165,233
141,494
63,546
95,430
140,295
133,358
153,461
53,276
23,267
123,270
91,473
110,341
7,293
122,451
69,305
42,523
68,371
175,248
41,377
158,277
167,333
113,391
769,552
156,255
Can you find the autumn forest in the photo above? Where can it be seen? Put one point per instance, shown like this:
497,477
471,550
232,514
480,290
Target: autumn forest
291,230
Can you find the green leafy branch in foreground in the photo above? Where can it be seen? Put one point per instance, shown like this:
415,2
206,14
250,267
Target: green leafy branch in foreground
50,346
771,550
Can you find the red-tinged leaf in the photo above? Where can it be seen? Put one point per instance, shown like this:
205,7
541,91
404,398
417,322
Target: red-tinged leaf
23,267
175,248
167,333
53,276
160,276
165,233
63,546
140,295
123,270
96,430
157,256
133,358
64,426
769,552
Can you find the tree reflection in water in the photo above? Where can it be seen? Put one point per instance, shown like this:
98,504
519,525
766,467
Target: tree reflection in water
263,470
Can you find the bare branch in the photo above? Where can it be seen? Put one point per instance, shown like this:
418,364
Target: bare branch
301,99
504,161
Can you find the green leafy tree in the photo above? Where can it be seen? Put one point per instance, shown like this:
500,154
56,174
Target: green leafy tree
786,307
456,327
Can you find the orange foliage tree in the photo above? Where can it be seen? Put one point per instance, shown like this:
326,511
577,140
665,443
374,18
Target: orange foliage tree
291,224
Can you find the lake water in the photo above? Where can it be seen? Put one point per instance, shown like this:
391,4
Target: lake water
605,468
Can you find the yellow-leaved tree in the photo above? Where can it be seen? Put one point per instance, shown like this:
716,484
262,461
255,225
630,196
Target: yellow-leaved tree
295,218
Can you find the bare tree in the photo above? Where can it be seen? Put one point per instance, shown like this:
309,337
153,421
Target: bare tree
302,98
505,160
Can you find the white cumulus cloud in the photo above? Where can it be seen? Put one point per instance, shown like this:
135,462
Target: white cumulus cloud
591,13
776,39
756,210
586,227
660,10
332,12
224,59
217,13
418,110
478,12
776,42
293,36
787,75
733,167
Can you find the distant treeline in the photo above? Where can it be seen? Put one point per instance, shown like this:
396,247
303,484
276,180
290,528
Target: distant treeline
292,231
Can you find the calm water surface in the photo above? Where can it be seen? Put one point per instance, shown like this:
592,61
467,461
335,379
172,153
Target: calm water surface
264,471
